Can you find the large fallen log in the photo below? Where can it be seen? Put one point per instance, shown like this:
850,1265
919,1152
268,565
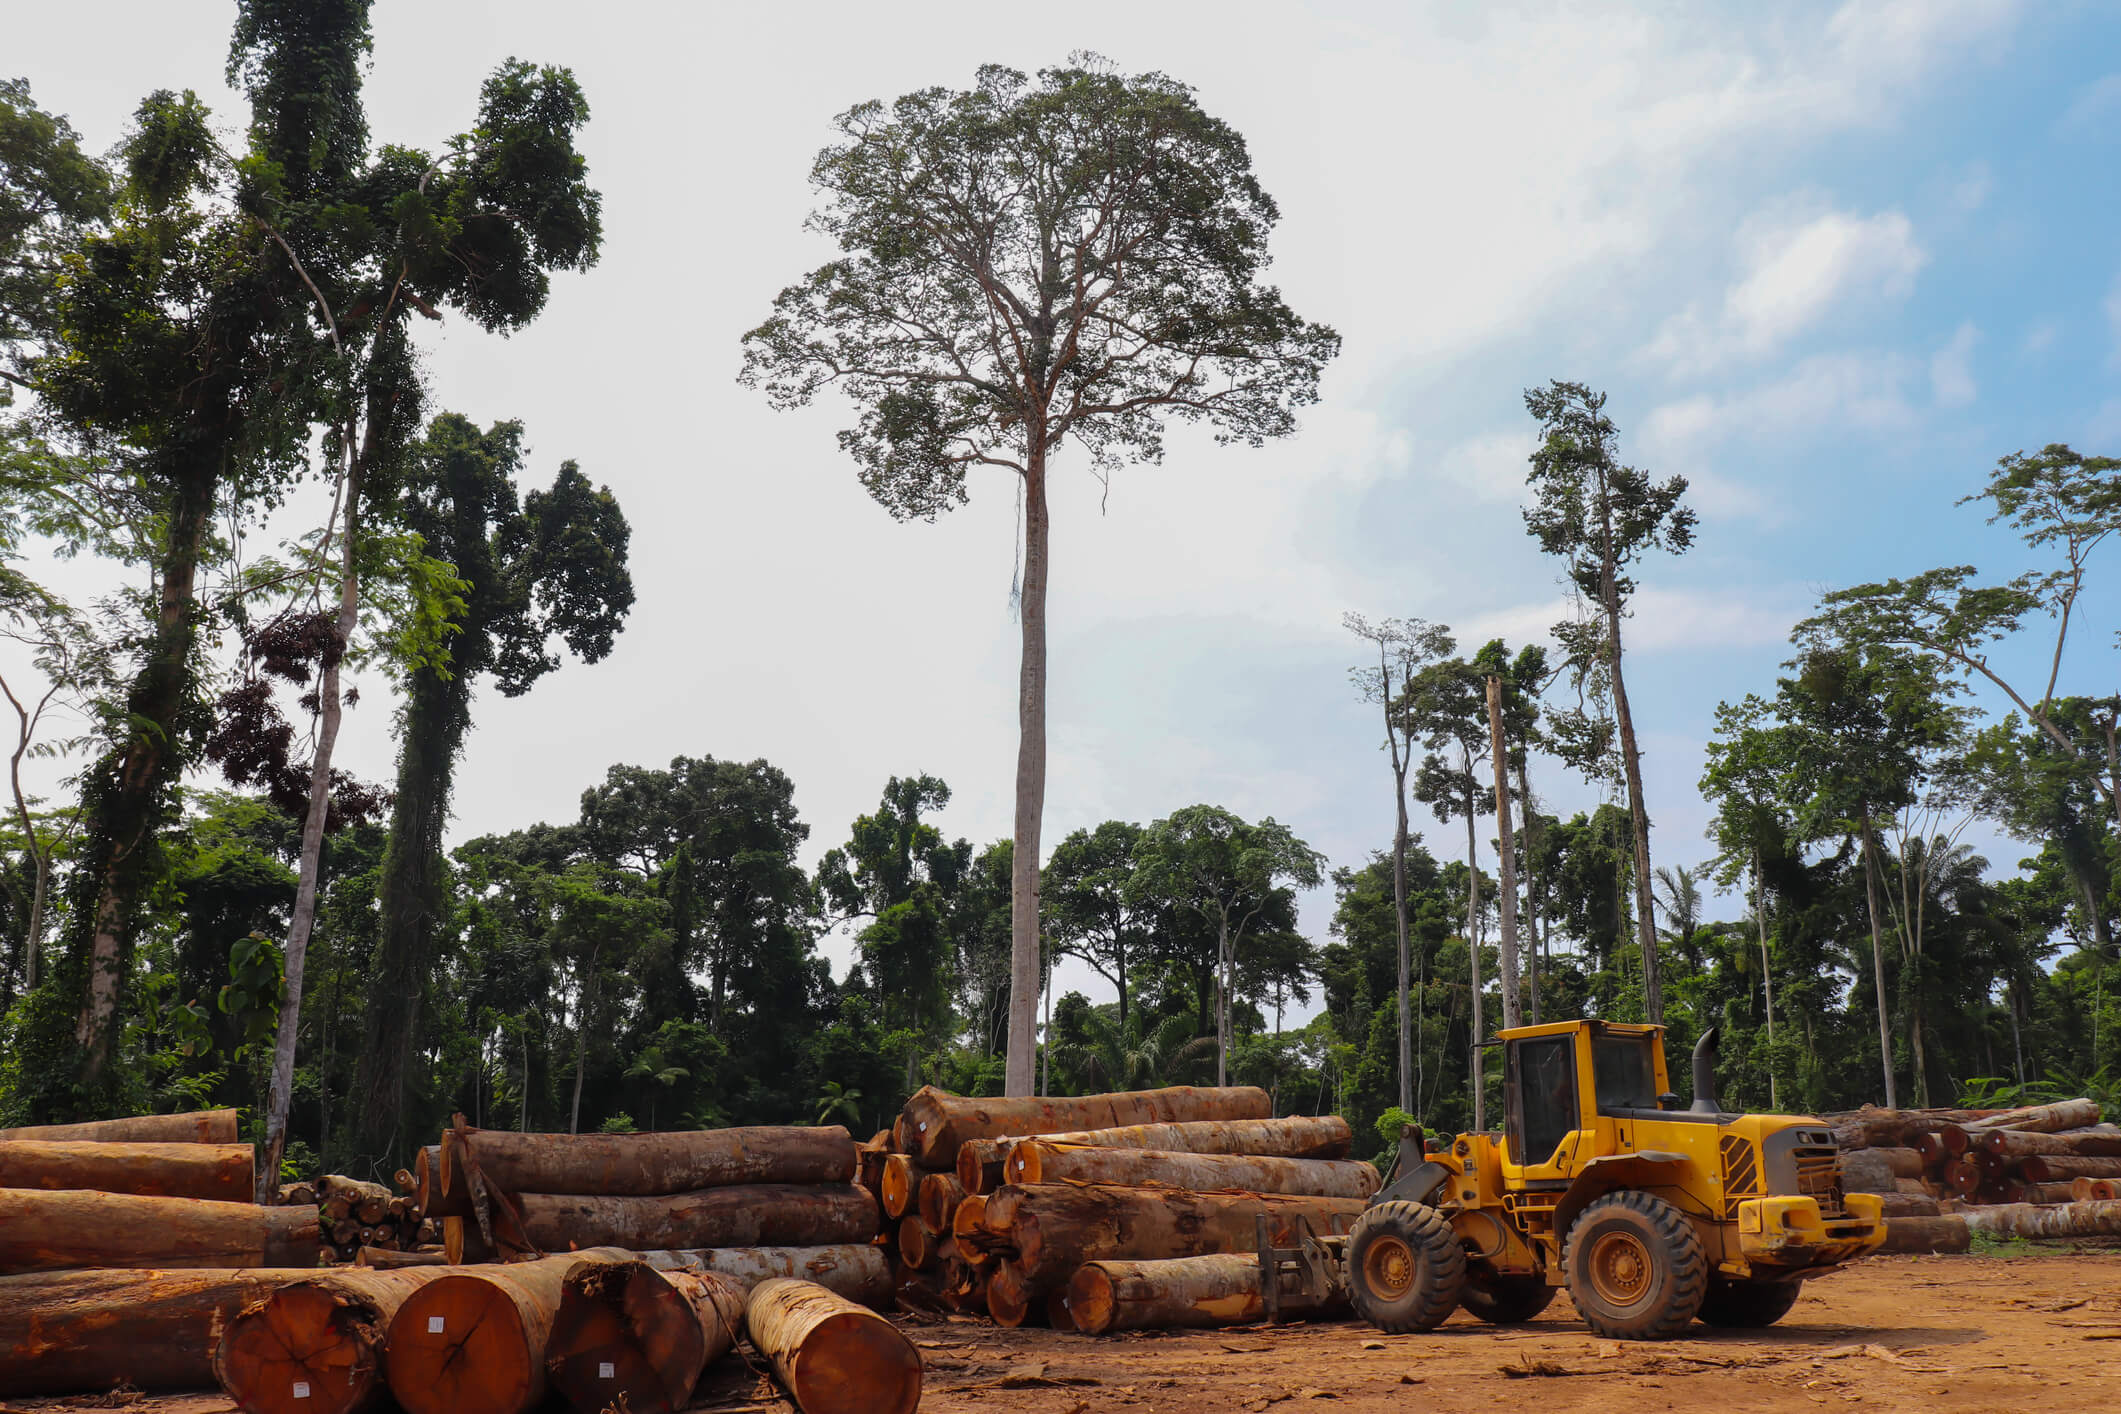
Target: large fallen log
196,1127
315,1346
1941,1234
87,1331
476,1338
1040,1161
643,1165
754,1215
938,1122
979,1161
2063,1114
940,1195
2018,1143
1058,1227
861,1272
633,1337
42,1232
1221,1290
2061,1220
2061,1168
1871,1127
218,1172
1908,1205
832,1356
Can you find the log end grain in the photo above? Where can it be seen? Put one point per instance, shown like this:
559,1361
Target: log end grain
625,1337
303,1350
832,1356
462,1343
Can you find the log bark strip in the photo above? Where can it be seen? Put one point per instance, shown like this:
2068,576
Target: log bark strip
756,1215
2101,1219
51,1231
1040,1161
861,1272
979,1161
630,1336
476,1340
86,1331
315,1346
218,1172
1942,1234
1058,1227
1198,1292
197,1127
832,1356
938,1122
644,1165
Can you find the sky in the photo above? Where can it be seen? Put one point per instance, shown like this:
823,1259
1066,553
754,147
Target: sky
1829,262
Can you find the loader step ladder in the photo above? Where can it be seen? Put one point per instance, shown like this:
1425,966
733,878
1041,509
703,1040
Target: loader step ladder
1318,1263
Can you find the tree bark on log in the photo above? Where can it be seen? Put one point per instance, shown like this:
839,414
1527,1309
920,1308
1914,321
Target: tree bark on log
1942,1234
476,1340
1908,1205
631,1336
87,1331
832,1356
216,1172
315,1346
385,1259
939,1122
901,1185
2061,1168
756,1215
463,1243
2043,1192
51,1231
197,1127
1058,1227
2063,1114
2064,1220
1871,1127
979,1161
861,1272
940,1195
1040,1161
646,1165
2021,1143
1197,1292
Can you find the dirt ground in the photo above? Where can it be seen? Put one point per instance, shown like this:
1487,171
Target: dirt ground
1943,1333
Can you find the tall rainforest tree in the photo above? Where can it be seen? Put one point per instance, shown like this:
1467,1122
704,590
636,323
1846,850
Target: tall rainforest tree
1090,913
1601,516
1025,263
551,566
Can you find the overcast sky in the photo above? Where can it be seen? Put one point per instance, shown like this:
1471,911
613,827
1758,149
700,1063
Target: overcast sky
1830,262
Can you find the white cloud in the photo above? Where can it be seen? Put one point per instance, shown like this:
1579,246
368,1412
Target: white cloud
1863,391
2039,338
1662,620
1951,369
1970,193
2095,105
1492,466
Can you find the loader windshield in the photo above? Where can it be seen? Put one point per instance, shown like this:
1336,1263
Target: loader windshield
1627,1072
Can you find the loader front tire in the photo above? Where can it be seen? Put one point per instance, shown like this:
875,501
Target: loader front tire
1636,1268
1406,1268
1738,1305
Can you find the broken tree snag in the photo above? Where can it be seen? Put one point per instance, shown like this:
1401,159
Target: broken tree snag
2101,1219
2018,1143
218,1172
1058,1227
832,1356
2061,1168
1041,1161
86,1331
642,1165
42,1232
901,1184
938,1122
1942,1234
979,1161
1012,1297
1186,1292
861,1272
476,1340
198,1127
315,1346
2063,1114
939,1197
632,1337
757,1215
917,1243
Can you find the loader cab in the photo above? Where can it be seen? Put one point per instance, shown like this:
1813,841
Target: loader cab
1562,1080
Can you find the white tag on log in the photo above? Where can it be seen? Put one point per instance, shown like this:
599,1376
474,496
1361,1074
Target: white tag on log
434,1325
301,1389
606,1371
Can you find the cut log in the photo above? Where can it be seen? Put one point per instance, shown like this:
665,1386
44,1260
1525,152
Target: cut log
87,1331
315,1346
218,1172
197,1127
2063,1114
2062,1220
1212,1291
869,1171
979,1161
50,1231
427,1178
1012,1297
1908,1185
645,1165
860,1272
2018,1143
2061,1168
476,1339
1957,1138
389,1259
1058,1227
1908,1205
1943,1234
901,1185
1928,1147
1039,1161
917,1243
297,1195
967,1225
938,1122
632,1337
2043,1192
2091,1189
832,1356
940,1195
1871,1127
756,1215
463,1243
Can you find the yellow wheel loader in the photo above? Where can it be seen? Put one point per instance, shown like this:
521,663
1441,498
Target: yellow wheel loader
1651,1216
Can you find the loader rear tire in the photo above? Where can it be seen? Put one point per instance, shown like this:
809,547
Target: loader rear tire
1636,1268
1742,1304
1506,1300
1406,1268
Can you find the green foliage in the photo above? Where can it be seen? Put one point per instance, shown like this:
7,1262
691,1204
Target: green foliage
251,999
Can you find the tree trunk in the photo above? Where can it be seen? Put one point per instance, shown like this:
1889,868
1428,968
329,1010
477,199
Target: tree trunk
50,1231
1222,1003
980,1161
220,1172
832,1356
756,1215
581,1035
2061,1168
858,1271
938,1122
196,1127
88,1331
1041,1161
644,1165
1532,891
477,1340
632,1337
1473,1058
1506,887
1631,765
1181,1292
1767,978
1024,951
940,1194
1870,893
1057,1227
1406,955
315,1346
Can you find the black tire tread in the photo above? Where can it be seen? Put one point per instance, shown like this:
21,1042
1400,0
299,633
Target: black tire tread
1690,1275
1444,1260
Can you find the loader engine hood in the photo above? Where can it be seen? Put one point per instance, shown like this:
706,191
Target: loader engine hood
1783,1156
